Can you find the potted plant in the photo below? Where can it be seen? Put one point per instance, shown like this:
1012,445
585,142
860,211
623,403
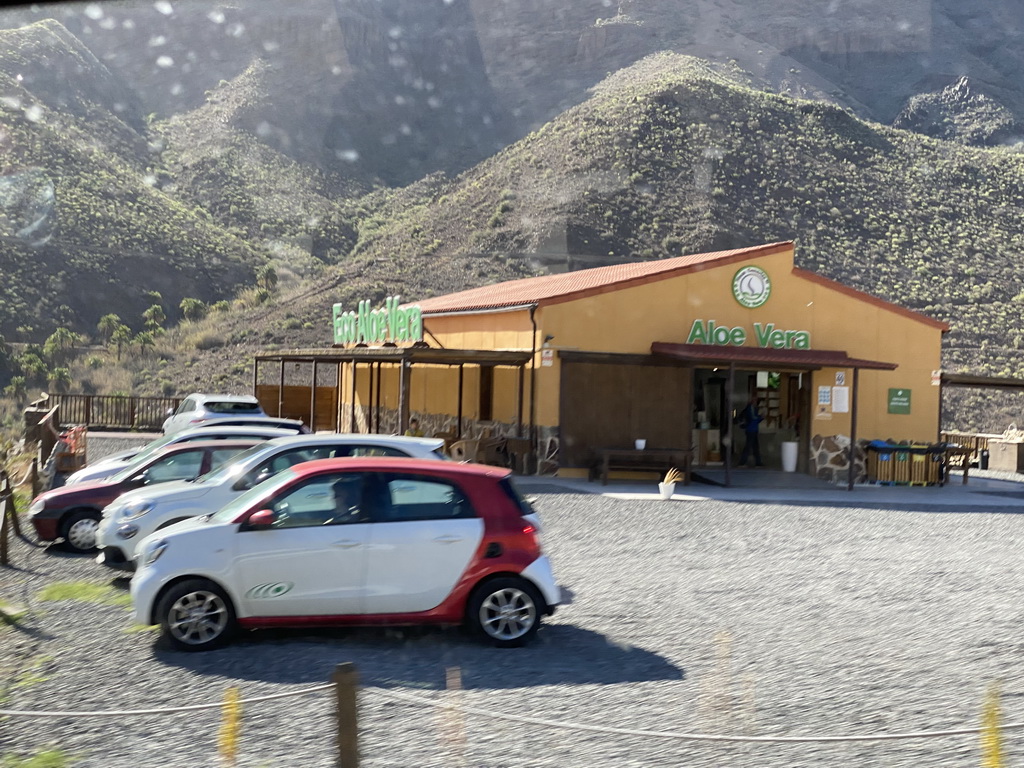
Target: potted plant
668,486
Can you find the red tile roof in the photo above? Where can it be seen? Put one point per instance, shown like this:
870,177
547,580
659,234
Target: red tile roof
569,286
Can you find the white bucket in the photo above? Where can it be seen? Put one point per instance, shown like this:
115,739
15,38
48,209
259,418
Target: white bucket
789,454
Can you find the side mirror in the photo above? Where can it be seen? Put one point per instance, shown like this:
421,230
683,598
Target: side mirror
261,520
139,480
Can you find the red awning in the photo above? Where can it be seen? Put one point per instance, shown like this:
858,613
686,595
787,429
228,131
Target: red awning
807,359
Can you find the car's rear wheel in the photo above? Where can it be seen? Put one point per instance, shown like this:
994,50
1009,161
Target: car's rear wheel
505,611
79,529
196,615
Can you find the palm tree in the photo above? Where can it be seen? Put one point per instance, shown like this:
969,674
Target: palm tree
155,317
107,325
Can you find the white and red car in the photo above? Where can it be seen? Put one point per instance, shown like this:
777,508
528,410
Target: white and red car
353,542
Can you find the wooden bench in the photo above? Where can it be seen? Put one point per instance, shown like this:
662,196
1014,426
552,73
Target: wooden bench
648,460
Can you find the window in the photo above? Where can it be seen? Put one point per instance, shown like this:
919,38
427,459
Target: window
219,456
323,500
181,466
188,404
418,497
377,450
290,458
231,406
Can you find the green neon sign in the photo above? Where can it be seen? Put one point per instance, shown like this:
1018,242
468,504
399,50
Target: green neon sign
376,326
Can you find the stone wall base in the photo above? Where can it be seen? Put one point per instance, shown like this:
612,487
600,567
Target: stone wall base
830,457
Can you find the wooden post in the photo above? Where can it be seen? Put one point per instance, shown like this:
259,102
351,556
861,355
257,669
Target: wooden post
6,513
280,390
404,395
853,429
725,438
519,402
352,425
339,399
346,682
459,417
312,401
34,477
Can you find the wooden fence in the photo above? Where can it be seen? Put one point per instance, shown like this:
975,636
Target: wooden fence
114,411
974,442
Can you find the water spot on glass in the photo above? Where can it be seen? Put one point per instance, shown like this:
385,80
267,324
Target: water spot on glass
348,155
396,61
94,12
165,62
270,45
164,7
119,106
156,41
156,146
108,23
405,130
128,24
176,89
27,204
264,129
433,102
335,70
18,77
217,17
34,113
11,102
395,32
237,29
399,100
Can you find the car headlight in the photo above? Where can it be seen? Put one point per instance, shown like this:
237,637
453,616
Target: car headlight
37,506
135,509
153,553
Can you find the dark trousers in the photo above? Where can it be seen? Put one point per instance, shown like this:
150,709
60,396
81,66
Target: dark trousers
751,445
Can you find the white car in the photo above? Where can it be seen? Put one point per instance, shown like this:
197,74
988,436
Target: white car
198,407
137,514
354,541
111,465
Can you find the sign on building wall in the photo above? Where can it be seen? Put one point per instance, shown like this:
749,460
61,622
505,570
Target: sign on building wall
751,287
899,401
376,326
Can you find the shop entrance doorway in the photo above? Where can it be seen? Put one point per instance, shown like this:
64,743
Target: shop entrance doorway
783,402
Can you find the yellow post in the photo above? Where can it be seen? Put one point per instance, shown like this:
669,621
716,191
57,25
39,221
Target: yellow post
231,727
991,743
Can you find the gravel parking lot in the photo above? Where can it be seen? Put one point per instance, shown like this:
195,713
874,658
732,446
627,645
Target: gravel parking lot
689,616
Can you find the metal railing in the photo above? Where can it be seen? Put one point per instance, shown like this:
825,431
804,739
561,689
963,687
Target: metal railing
113,411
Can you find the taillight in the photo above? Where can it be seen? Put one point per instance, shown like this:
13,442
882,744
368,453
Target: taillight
531,541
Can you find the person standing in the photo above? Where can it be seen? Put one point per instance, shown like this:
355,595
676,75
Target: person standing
414,429
750,419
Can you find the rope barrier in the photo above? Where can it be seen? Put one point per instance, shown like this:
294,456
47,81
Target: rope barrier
687,736
163,710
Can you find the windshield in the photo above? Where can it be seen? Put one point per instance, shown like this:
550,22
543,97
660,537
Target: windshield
241,503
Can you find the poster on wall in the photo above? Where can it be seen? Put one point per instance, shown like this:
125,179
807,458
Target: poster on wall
840,378
824,395
840,399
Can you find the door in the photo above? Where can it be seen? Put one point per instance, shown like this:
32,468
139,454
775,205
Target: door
311,562
425,533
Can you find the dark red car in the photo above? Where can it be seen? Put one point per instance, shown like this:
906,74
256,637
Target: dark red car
74,512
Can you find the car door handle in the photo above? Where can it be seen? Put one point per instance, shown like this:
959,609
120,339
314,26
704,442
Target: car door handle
448,539
345,543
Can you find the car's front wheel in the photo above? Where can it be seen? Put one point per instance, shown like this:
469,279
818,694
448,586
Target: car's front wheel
79,529
505,611
196,615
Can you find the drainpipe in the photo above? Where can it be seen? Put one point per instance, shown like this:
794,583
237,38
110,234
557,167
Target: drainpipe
533,387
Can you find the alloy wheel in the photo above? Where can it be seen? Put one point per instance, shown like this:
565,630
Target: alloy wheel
508,614
197,618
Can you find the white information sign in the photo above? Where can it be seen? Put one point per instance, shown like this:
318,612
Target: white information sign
840,399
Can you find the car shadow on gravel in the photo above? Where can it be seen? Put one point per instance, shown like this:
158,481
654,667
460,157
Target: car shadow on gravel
419,657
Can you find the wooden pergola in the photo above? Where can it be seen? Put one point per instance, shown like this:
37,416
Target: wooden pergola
372,359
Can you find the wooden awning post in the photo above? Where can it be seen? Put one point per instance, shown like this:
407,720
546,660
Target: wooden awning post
519,405
312,401
726,437
404,387
280,390
459,422
352,419
853,430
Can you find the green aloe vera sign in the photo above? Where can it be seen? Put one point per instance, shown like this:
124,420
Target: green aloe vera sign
376,326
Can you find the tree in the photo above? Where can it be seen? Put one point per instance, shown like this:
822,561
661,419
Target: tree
266,278
60,379
155,297
107,325
193,309
145,340
120,338
154,317
17,388
60,345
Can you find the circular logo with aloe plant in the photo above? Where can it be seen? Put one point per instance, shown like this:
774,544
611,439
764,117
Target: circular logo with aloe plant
751,287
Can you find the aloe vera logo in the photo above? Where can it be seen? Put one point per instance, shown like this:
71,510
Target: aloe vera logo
751,287
265,591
